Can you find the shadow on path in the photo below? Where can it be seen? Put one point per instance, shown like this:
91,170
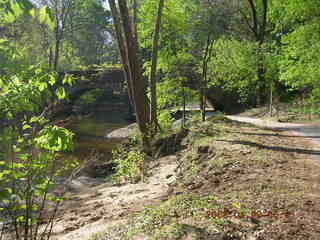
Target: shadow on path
274,148
275,134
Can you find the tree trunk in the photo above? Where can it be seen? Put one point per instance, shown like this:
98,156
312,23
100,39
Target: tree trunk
271,99
261,76
183,122
153,74
50,57
122,48
203,84
56,54
139,84
135,19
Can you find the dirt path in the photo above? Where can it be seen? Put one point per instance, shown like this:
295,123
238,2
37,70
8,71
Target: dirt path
311,132
92,209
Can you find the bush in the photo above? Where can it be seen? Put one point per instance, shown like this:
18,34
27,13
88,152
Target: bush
130,165
29,147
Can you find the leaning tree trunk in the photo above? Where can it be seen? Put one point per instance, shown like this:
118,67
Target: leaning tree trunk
122,48
139,84
153,74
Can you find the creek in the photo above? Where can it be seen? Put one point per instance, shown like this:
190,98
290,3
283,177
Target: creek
91,143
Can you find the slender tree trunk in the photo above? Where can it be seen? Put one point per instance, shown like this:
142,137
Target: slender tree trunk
183,123
204,82
122,48
50,58
261,76
57,39
271,99
153,74
56,54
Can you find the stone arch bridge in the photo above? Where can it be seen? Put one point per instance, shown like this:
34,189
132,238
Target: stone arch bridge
111,79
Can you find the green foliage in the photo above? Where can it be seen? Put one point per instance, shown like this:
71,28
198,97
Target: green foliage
175,24
174,56
288,14
90,41
32,29
29,146
233,65
299,58
299,64
28,170
130,164
165,120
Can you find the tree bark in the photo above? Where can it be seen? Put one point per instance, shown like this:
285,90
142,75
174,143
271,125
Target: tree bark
122,48
204,82
135,19
153,74
139,84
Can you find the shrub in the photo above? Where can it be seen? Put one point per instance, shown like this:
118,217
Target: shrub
130,165
29,147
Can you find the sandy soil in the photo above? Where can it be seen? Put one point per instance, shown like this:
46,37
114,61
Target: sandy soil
91,209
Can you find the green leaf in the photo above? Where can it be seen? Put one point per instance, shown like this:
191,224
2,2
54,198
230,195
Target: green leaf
24,157
9,17
68,79
51,23
26,126
43,86
52,79
43,14
61,93
34,119
33,12
17,10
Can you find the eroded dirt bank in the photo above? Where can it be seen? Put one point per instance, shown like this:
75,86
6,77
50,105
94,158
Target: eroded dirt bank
90,209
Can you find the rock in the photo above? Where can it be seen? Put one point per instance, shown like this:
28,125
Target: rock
203,149
82,183
196,186
141,237
122,133
169,176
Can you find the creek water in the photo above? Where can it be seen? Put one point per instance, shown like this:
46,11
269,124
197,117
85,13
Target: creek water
90,137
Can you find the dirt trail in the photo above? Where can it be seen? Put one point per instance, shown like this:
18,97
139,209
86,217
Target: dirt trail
311,132
91,210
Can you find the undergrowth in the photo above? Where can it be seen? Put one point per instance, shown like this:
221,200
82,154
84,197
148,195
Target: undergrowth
130,164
